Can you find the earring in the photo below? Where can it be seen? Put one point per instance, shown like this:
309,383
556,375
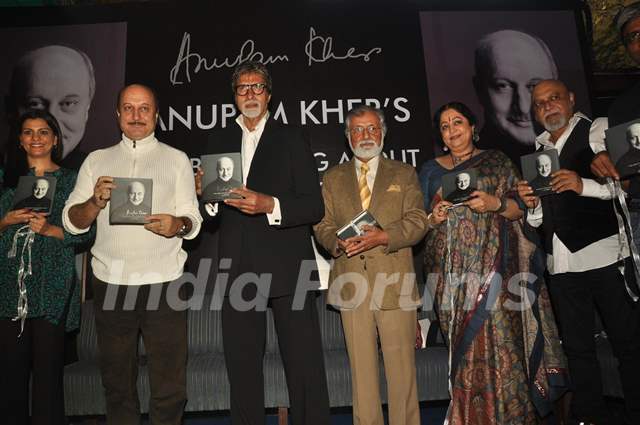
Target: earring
475,136
445,148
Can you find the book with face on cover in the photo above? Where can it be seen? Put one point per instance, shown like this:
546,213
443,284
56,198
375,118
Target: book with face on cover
458,186
623,145
35,193
222,172
537,169
131,200
355,227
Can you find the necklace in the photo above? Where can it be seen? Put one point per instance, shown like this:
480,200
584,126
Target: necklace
460,159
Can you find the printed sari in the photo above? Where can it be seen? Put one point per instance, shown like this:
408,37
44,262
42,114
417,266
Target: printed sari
506,363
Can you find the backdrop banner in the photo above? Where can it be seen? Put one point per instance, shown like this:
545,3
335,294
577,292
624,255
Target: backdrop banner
404,59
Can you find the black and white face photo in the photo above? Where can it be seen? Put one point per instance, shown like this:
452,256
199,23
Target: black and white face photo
543,165
135,192
463,180
633,135
224,167
40,188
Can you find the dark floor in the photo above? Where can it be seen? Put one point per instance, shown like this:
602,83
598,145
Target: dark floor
432,413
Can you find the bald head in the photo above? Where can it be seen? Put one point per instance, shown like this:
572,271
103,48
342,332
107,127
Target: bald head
59,79
633,135
508,64
137,111
224,167
135,191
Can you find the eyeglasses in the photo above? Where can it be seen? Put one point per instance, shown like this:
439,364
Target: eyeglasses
256,88
371,129
632,37
541,104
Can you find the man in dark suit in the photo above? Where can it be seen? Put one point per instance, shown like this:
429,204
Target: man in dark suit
38,201
267,236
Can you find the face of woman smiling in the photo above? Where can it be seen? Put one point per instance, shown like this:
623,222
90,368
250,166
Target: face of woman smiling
37,138
456,132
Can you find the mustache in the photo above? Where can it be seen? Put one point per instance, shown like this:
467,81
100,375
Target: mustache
137,123
366,142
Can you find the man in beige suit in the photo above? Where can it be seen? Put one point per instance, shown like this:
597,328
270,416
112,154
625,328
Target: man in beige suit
372,280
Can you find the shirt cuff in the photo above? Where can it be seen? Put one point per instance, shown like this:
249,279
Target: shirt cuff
593,189
597,135
275,217
534,215
68,225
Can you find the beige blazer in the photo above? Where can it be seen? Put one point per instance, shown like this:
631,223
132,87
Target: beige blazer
397,204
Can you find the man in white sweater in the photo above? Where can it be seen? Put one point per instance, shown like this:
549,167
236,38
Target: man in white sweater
138,262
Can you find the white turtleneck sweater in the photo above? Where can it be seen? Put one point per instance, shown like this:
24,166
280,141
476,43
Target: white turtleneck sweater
130,254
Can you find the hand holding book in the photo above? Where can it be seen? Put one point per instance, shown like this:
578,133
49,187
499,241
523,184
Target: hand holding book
372,237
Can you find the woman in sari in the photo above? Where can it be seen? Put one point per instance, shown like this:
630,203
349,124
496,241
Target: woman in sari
495,317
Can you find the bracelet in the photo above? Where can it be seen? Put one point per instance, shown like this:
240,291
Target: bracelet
503,205
430,224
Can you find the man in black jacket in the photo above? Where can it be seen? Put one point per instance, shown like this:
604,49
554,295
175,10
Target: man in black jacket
266,235
580,234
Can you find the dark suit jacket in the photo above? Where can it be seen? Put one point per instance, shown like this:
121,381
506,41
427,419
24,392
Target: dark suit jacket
284,167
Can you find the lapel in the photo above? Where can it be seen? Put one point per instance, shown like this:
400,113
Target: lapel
380,185
350,180
261,154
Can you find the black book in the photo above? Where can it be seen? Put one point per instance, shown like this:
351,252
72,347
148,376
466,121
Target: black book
131,200
355,226
222,172
623,144
458,186
537,169
35,193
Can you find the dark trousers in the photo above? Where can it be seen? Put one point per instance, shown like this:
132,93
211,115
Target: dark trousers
38,354
164,332
244,334
576,296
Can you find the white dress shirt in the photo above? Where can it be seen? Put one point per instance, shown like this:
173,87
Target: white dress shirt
600,253
250,140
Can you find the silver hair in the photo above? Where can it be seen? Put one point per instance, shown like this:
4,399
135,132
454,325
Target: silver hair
361,110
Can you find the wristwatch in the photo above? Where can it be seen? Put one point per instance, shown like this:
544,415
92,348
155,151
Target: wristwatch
182,231
503,205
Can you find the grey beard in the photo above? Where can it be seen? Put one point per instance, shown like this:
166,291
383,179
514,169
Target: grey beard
562,121
367,153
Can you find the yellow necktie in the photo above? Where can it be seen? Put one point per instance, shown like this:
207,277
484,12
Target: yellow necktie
365,193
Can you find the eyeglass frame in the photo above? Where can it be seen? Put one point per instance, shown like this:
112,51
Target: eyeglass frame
553,99
371,129
256,88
